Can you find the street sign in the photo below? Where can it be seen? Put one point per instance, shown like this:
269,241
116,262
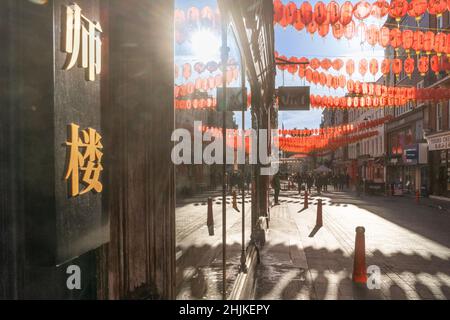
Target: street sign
293,98
234,101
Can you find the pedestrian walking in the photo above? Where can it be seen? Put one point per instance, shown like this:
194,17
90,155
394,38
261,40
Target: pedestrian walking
276,185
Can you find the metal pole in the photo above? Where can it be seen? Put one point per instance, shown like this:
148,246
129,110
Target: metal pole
244,106
224,166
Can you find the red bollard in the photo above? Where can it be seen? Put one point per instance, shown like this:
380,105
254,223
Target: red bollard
210,219
306,200
319,221
359,262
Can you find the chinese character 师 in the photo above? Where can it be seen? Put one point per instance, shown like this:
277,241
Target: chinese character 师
82,42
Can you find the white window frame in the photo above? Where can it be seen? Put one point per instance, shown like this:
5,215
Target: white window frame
420,85
439,116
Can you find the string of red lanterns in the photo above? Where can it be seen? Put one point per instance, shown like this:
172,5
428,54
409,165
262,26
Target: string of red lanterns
333,13
195,17
434,63
394,99
201,103
204,84
186,69
411,93
337,130
319,144
410,40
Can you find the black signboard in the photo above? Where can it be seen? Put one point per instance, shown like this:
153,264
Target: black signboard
293,98
59,92
235,101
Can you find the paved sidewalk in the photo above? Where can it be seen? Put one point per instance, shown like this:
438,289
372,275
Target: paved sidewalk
409,243
199,256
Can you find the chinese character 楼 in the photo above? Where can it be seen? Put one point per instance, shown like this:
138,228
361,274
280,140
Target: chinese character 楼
84,165
82,42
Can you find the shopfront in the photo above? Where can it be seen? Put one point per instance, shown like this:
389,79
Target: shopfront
439,145
407,155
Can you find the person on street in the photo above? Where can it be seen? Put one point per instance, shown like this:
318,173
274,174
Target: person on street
276,185
309,182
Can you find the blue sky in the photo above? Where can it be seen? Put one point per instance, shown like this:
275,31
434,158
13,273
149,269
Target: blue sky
290,42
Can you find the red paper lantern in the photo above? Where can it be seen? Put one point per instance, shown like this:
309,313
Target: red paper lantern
338,30
292,68
200,67
278,11
207,16
350,67
363,65
350,30
342,81
435,64
298,23
386,66
283,67
384,37
350,86
325,64
337,64
212,66
301,72
312,27
373,66
324,29
362,10
334,12
407,40
289,14
306,13
447,50
329,80
308,75
440,43
346,13
408,65
416,8
397,66
187,71
193,15
323,79
362,29
372,35
437,7
377,90
428,42
398,9
395,38
320,12
314,63
380,9
315,77
423,65
418,40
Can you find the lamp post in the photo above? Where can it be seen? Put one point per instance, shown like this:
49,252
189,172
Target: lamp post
224,62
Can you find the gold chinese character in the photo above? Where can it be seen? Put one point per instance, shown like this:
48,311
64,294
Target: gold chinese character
82,36
85,160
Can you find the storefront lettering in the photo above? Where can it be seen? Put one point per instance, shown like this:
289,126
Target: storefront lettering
84,161
439,143
82,37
